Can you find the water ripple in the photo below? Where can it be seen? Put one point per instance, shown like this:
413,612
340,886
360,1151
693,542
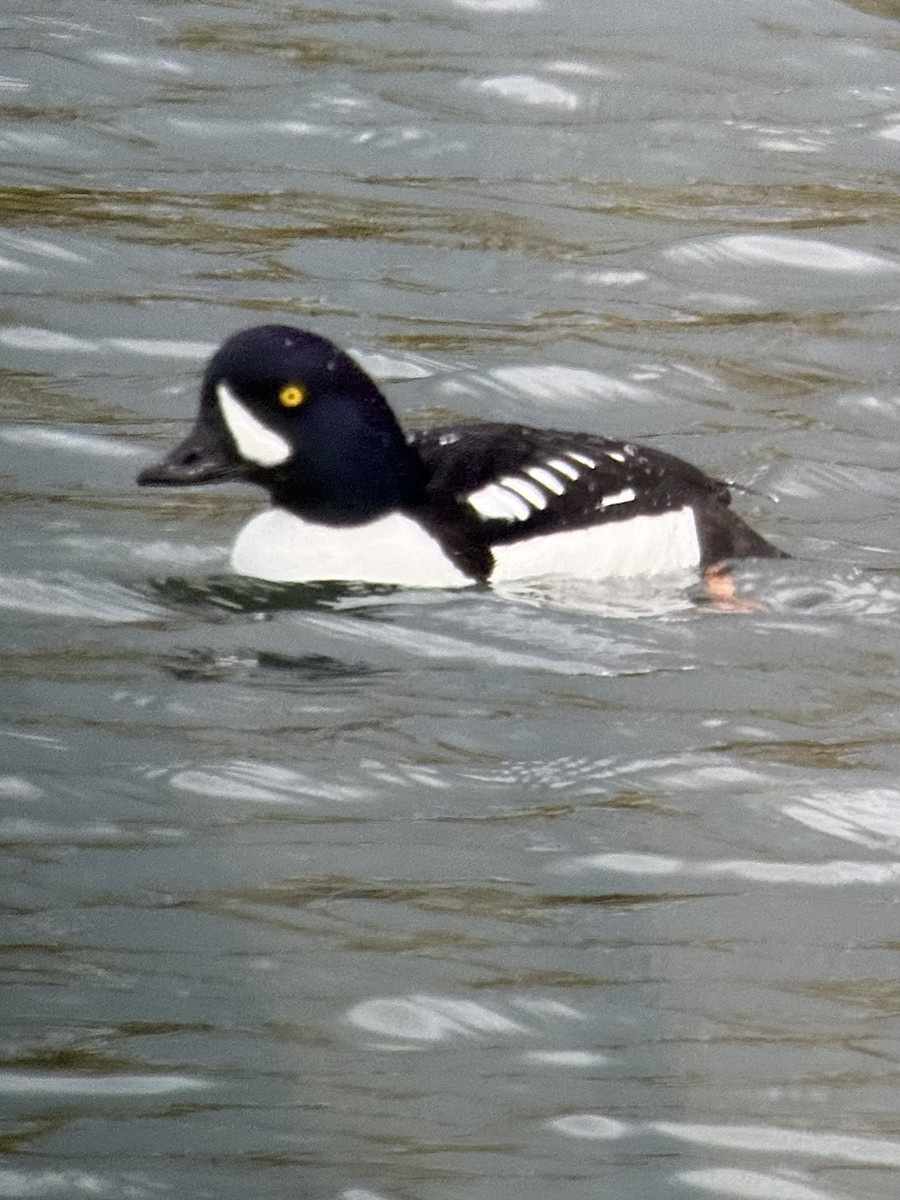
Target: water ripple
430,1018
825,874
71,595
529,89
68,441
751,1185
760,1139
267,782
869,817
770,250
56,1084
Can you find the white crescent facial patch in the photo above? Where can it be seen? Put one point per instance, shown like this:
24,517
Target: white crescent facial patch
255,441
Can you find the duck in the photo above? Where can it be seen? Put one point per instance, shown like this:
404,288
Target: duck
354,497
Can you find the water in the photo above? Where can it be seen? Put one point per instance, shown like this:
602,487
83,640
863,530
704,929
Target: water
352,893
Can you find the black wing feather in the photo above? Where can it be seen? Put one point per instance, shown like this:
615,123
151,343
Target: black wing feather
626,480
462,461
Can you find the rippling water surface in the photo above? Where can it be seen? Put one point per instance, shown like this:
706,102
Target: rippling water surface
358,894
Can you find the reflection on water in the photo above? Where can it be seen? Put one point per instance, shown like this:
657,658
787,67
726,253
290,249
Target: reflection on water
359,893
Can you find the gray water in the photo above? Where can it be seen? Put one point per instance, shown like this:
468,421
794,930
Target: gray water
348,893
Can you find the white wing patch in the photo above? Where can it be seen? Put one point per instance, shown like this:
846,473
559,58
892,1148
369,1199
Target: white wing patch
515,498
499,503
255,441
624,497
547,479
527,490
564,468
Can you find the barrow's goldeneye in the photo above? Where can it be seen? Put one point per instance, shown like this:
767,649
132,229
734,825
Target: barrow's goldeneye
355,498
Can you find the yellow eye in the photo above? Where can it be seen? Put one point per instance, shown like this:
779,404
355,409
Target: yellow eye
291,395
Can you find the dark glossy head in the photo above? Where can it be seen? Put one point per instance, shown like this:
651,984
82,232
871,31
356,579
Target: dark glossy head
288,410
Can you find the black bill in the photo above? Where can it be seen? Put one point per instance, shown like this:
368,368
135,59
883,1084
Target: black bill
203,457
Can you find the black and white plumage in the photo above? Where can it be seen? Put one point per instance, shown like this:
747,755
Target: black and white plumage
355,498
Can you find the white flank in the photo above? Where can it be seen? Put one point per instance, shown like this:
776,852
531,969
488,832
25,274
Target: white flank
255,441
615,455
499,503
278,546
581,458
644,545
284,548
624,497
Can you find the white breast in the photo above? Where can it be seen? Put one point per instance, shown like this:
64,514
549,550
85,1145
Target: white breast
284,548
278,546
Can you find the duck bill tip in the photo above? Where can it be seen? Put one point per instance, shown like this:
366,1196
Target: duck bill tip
191,463
169,474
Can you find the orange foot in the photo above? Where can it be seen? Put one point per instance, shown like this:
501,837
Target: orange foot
722,594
